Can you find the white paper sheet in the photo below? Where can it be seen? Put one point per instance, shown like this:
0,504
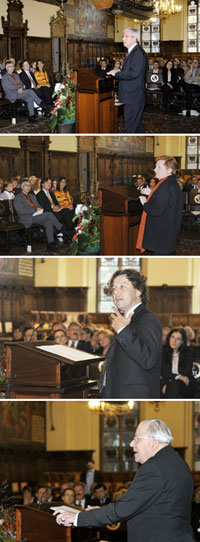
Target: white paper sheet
67,352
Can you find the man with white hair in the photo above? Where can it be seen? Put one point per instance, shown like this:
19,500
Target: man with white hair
131,79
157,505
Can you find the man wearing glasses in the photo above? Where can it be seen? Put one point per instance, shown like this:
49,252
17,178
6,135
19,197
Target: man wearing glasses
157,505
132,82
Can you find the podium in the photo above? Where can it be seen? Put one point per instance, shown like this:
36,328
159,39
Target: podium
94,102
36,523
32,372
120,214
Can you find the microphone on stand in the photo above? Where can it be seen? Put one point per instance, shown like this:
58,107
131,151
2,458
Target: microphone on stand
36,328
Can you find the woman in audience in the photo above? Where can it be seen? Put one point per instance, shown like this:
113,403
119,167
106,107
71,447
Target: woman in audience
63,196
105,338
43,80
28,496
68,496
170,83
177,381
152,182
8,191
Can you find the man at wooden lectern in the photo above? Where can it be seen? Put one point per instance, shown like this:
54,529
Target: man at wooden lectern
132,82
133,361
157,505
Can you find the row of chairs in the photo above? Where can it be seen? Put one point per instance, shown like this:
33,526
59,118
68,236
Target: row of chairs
12,229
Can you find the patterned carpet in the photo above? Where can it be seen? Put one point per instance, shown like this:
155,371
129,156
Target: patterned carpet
155,122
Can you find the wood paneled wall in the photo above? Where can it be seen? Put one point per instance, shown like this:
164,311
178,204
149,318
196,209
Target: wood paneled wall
118,170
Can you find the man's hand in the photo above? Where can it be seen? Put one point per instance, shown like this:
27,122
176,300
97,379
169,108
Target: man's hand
118,321
65,518
20,90
39,208
112,72
56,208
184,379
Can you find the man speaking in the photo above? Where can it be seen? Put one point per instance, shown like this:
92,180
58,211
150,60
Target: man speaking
133,361
157,505
132,82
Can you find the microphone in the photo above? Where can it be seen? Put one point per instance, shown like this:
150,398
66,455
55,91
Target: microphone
36,328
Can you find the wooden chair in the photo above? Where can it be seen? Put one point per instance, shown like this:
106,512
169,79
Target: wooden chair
10,226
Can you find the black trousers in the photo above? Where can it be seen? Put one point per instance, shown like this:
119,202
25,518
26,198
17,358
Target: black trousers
133,118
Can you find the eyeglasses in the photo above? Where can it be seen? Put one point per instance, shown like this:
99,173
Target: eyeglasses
143,437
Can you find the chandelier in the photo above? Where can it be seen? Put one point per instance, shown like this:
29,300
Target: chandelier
111,409
164,8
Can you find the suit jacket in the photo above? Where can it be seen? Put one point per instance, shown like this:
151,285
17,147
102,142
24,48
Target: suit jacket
188,77
44,201
10,88
133,361
97,476
164,217
131,78
25,79
184,364
23,208
157,505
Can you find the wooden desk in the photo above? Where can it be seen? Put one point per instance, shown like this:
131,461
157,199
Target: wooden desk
94,102
120,213
31,372
36,523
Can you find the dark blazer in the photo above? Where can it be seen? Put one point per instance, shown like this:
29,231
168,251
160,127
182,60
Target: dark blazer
133,361
174,76
131,78
164,217
44,201
25,80
97,476
157,505
184,364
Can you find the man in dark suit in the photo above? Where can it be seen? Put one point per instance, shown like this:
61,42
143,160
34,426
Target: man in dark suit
49,203
157,505
90,475
161,220
29,81
131,90
133,361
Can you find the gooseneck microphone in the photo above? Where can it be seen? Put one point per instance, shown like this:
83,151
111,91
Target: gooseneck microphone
35,329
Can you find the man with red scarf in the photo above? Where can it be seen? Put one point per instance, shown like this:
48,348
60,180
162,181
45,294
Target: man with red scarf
162,216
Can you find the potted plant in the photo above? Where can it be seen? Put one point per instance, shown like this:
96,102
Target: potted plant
63,115
86,240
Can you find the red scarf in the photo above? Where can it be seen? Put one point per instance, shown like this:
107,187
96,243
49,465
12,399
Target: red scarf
143,219
31,203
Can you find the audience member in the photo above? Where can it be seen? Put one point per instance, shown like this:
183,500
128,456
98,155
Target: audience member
100,495
62,194
29,334
68,496
28,496
43,80
176,370
82,499
60,337
17,334
90,475
43,494
170,83
49,203
8,191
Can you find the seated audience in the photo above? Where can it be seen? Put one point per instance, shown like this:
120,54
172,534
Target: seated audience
170,83
141,185
82,499
62,194
29,81
191,84
95,347
55,326
49,203
105,339
29,334
28,496
176,369
74,331
14,90
68,496
153,181
43,494
60,337
103,68
100,495
29,212
17,334
8,191
43,80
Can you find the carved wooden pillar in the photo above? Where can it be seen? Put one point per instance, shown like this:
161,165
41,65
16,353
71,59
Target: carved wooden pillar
15,31
58,26
40,147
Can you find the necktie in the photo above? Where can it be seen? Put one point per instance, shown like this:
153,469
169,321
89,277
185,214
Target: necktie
73,346
31,203
31,79
16,82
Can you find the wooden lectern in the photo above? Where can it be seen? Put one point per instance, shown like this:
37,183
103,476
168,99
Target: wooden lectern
120,214
32,372
94,102
35,523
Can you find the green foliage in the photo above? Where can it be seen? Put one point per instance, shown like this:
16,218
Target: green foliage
65,105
